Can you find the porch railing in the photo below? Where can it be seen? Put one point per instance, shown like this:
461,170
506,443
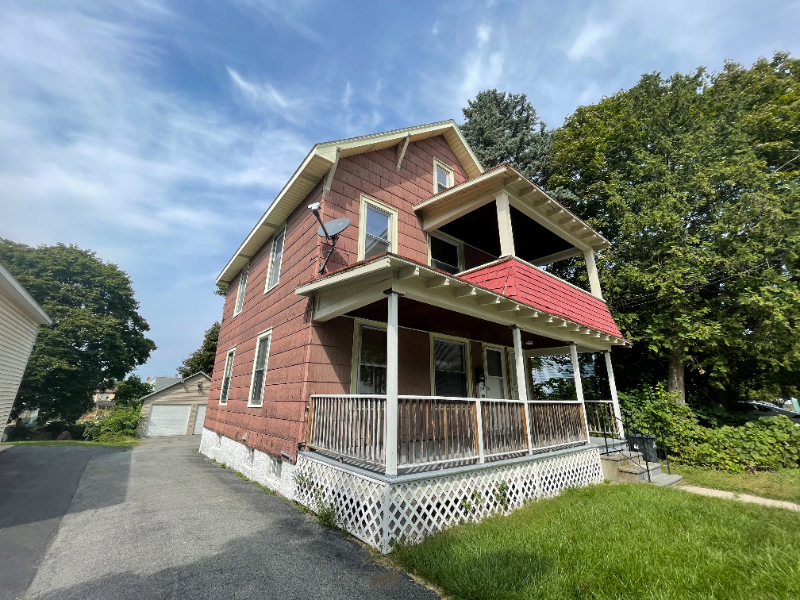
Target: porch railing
439,431
600,418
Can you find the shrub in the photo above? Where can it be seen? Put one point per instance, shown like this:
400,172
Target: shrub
768,443
122,422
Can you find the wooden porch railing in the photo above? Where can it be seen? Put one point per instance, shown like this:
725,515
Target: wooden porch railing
435,430
600,417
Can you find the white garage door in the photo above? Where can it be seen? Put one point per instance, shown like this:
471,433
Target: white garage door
201,417
168,419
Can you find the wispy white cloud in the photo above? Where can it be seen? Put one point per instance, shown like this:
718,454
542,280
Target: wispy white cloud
291,14
483,33
589,40
263,97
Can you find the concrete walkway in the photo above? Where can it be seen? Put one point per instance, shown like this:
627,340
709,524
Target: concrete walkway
162,522
740,497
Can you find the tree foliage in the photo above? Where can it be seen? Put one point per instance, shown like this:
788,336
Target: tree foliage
203,358
131,391
504,127
97,335
695,179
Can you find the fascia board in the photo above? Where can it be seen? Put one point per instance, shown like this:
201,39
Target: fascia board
20,296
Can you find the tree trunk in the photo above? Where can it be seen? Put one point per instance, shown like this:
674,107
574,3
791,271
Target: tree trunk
675,376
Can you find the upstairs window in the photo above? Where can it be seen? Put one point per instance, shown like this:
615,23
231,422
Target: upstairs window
443,176
242,291
275,260
226,376
445,254
259,370
377,231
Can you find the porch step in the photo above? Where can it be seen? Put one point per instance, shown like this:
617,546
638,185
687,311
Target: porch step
664,480
634,473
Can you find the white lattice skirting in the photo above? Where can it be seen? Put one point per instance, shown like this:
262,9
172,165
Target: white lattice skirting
382,513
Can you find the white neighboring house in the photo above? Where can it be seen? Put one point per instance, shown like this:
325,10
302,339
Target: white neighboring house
178,409
20,318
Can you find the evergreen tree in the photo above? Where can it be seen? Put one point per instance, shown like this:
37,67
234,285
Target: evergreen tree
203,358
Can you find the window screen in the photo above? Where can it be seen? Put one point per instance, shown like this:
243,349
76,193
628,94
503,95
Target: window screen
275,264
450,376
372,361
444,255
377,238
259,371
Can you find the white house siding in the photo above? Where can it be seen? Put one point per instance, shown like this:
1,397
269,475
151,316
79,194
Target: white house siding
17,336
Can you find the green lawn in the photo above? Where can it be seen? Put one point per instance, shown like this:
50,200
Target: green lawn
615,542
127,444
780,485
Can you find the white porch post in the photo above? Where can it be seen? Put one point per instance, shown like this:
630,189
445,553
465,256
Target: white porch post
594,278
522,381
614,398
504,224
576,373
392,366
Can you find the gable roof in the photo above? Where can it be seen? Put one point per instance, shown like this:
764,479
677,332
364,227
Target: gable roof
152,395
21,298
319,161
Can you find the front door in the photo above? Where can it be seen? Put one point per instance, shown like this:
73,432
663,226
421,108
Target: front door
494,366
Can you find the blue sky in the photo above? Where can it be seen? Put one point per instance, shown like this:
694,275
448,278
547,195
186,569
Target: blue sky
156,134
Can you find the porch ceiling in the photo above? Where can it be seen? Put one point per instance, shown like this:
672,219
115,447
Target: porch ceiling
365,283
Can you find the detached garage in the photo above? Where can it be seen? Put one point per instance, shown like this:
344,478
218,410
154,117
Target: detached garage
178,409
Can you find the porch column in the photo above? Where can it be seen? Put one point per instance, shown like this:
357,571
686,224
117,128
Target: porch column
594,279
576,373
392,366
614,398
504,224
522,381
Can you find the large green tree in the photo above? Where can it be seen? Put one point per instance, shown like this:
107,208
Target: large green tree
695,179
97,335
130,391
503,127
203,358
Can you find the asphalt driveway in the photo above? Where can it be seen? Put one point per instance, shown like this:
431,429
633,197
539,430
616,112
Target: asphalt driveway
162,522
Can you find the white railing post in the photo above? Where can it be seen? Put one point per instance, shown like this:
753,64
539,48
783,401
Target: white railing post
614,398
479,425
522,382
392,367
576,373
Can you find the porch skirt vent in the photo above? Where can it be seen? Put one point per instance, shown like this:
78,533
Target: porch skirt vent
382,513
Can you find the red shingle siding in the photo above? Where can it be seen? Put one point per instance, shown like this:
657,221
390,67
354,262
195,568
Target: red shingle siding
538,289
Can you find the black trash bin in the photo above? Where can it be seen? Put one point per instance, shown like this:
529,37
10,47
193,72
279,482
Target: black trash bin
644,443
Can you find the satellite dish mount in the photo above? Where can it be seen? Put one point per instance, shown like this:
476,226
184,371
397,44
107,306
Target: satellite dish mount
330,231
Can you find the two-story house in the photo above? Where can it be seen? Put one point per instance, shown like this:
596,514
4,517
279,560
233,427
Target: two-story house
388,375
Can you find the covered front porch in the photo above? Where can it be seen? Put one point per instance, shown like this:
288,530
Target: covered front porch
442,373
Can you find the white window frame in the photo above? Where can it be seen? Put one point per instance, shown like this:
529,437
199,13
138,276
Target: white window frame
450,240
241,292
450,179
366,202
268,336
275,236
230,355
356,362
503,366
467,358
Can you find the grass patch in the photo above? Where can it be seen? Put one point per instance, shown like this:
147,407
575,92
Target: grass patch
128,443
242,476
779,485
617,541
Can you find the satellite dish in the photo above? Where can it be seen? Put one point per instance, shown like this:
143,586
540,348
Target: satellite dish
333,228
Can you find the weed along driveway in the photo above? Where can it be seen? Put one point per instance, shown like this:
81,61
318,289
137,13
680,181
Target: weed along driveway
161,521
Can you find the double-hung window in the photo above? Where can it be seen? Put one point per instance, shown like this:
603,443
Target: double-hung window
445,255
275,260
242,291
259,370
449,368
371,360
443,177
377,229
226,376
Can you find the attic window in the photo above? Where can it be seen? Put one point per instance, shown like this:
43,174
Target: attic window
443,177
